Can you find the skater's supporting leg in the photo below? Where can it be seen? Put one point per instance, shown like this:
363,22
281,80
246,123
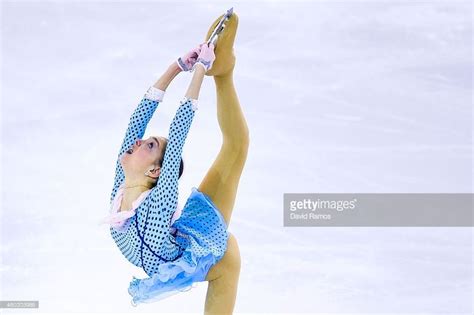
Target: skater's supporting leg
223,280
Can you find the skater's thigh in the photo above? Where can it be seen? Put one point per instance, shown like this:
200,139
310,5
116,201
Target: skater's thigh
222,179
230,262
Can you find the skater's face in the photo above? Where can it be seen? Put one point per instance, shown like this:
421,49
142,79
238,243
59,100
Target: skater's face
144,155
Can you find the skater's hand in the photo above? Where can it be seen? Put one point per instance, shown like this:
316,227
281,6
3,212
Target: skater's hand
206,56
187,61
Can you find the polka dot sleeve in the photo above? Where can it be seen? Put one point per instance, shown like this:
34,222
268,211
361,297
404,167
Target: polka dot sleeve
136,129
164,196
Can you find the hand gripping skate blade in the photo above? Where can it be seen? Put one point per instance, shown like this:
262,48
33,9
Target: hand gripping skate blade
219,27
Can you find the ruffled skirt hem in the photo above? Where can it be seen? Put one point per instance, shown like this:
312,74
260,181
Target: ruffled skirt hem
172,278
205,248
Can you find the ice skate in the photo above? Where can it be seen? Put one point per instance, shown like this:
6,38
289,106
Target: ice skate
222,33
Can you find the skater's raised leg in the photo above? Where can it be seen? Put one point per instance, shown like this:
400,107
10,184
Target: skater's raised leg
222,179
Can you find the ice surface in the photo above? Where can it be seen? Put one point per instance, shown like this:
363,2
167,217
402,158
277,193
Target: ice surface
340,96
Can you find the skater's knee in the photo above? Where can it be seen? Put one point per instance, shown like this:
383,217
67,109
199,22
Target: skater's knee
238,144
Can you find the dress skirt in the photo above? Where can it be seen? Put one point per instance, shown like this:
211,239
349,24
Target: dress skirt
202,231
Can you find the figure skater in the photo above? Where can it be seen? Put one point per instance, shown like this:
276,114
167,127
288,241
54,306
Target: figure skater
178,248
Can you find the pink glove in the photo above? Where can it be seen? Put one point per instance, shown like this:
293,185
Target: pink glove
206,57
186,62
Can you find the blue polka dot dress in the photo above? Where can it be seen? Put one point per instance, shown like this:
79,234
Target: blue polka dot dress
174,256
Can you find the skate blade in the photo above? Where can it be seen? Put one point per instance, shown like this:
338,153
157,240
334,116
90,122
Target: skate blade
219,27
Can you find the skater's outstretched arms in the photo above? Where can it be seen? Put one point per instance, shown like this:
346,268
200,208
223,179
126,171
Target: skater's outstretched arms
141,117
165,194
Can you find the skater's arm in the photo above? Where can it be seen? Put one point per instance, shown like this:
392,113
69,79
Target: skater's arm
165,80
165,193
136,129
140,118
196,82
